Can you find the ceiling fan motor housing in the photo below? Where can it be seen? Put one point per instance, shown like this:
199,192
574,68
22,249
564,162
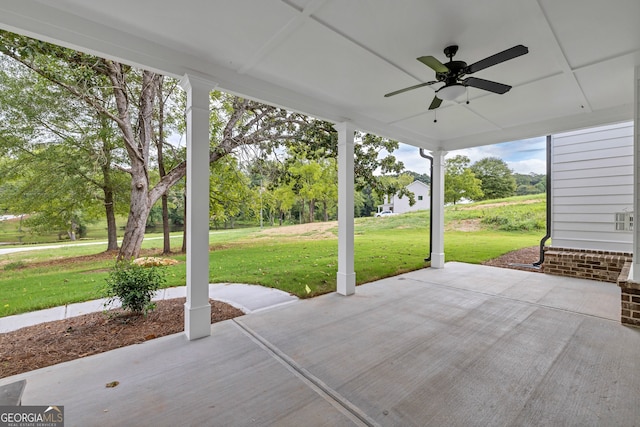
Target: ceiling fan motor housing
456,70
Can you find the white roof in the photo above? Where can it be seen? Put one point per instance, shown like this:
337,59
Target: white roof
335,59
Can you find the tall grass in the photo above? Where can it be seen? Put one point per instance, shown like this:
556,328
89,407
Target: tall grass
520,218
520,213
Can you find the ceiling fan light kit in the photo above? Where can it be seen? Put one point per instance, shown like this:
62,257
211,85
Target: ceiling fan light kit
451,92
452,73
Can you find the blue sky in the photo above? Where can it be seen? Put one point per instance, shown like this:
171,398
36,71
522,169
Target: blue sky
524,156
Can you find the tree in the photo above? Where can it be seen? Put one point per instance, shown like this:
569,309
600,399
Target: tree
46,133
131,105
69,204
128,99
532,183
497,179
422,177
284,198
326,187
365,203
164,93
264,175
229,192
315,178
132,93
459,181
373,154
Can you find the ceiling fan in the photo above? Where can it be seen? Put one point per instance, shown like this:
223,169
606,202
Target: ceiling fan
452,72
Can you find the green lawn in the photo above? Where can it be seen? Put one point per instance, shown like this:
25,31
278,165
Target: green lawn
383,247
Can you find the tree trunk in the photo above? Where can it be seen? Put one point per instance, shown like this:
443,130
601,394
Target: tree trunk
326,212
312,210
112,229
166,247
107,188
136,222
72,230
166,231
138,151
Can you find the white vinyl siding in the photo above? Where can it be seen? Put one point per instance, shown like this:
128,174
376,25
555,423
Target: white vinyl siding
401,205
592,180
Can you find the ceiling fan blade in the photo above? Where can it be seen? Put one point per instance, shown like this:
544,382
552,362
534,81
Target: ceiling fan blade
409,88
486,85
434,64
435,103
505,55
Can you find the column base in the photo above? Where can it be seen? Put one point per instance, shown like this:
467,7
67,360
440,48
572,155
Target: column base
197,321
437,260
346,283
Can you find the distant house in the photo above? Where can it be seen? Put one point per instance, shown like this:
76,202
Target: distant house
398,204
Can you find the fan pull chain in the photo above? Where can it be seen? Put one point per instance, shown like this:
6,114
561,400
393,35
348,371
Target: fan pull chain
435,116
467,95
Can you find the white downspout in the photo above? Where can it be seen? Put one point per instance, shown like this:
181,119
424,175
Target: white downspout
635,267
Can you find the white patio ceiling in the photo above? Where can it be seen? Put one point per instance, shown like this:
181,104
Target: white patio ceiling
335,59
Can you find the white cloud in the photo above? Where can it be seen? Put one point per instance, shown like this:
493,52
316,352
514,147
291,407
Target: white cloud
413,162
524,156
474,154
527,166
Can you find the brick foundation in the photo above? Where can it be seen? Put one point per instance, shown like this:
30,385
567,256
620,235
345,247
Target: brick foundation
629,298
604,266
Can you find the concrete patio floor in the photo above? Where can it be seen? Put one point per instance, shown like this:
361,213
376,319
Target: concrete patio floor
465,345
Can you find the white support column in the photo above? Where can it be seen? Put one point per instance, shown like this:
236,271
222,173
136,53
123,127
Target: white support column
635,271
346,277
197,310
437,214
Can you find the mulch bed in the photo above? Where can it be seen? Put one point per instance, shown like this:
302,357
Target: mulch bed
50,343
517,259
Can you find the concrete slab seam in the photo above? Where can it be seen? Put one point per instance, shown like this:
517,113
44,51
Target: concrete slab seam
516,300
280,304
329,394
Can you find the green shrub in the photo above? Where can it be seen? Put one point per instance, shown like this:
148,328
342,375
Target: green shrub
134,286
16,265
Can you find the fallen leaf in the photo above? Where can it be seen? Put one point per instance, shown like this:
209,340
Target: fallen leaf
113,384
